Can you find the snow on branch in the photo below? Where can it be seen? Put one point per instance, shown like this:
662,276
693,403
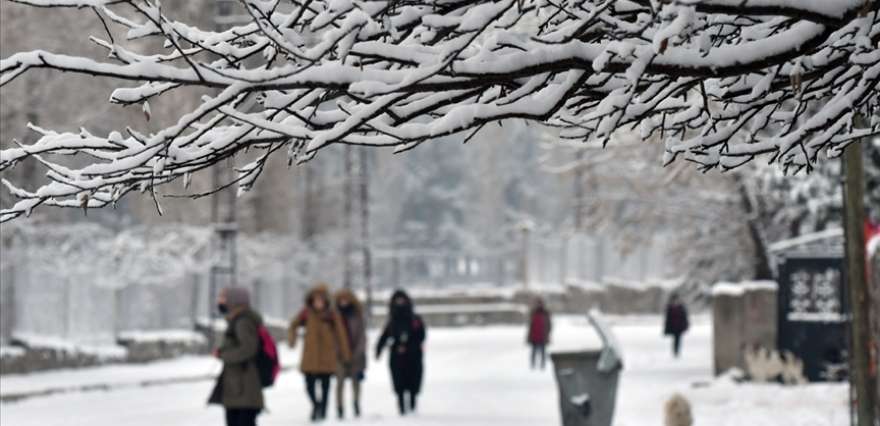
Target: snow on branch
719,81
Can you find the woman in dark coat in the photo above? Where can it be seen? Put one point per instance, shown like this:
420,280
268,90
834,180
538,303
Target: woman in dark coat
353,319
238,387
406,333
676,323
538,336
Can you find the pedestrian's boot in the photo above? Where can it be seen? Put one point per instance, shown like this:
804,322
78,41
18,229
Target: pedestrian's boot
316,413
357,409
412,401
340,412
323,414
401,404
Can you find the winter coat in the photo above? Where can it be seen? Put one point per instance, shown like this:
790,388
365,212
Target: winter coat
325,341
676,322
238,385
405,334
540,326
354,322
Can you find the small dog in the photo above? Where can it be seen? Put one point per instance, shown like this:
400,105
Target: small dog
678,412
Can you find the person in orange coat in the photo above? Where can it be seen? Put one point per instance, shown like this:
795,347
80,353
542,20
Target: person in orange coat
325,346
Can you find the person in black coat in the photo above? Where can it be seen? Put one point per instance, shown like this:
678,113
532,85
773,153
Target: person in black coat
405,334
676,323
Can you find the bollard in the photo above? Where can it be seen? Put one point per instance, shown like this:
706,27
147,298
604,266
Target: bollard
587,380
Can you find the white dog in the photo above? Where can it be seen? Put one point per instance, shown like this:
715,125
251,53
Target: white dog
678,412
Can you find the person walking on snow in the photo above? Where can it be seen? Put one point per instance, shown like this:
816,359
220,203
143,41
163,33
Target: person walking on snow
406,333
238,388
676,322
540,325
325,346
354,321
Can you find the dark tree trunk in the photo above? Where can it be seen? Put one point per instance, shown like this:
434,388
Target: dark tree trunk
761,261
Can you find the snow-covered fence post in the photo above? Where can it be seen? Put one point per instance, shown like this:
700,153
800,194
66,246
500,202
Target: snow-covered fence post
744,317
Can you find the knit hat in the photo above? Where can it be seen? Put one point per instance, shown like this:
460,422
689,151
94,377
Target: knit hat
238,296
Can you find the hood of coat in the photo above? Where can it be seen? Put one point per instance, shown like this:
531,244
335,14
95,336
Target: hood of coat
352,299
400,313
321,290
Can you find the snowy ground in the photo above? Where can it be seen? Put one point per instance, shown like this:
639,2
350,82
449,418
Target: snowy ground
475,376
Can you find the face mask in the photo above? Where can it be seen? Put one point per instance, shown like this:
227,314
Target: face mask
401,310
222,308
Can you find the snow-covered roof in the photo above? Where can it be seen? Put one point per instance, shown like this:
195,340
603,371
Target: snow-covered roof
828,242
739,289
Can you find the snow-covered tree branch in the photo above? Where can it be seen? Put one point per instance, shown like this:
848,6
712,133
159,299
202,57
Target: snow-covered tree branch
720,81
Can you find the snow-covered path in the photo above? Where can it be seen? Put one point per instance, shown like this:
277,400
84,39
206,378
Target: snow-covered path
474,376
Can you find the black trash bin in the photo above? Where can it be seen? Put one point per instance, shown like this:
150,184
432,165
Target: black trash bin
814,314
587,380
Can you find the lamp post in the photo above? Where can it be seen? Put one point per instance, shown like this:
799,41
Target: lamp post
525,227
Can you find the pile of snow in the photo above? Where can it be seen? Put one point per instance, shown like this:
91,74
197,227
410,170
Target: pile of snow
739,289
641,285
807,239
57,344
585,285
151,336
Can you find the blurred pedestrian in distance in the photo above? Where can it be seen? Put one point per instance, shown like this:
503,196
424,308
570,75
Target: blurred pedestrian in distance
325,345
538,337
354,321
238,388
676,322
405,334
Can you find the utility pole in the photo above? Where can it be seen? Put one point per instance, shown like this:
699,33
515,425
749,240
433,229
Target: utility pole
365,229
346,219
856,263
577,232
525,227
223,219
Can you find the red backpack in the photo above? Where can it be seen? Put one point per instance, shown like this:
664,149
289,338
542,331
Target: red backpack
267,361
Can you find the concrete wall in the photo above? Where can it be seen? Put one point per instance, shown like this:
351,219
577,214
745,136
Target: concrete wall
743,319
455,310
22,357
610,299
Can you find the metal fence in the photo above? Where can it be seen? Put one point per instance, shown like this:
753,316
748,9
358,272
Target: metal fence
87,283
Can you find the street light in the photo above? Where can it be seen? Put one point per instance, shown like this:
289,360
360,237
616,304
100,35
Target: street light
525,227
